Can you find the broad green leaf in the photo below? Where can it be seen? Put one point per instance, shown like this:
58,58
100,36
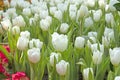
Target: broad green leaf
117,6
110,75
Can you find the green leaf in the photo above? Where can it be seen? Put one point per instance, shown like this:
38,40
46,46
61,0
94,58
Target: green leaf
5,53
117,6
119,0
2,76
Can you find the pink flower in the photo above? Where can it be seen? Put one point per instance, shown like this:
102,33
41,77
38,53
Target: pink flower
2,69
19,76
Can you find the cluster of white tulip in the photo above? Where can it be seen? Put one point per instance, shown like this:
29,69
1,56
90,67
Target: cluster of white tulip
80,23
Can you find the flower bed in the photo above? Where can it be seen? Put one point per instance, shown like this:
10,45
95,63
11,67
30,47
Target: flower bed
60,40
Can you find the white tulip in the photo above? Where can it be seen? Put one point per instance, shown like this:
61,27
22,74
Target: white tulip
88,22
44,25
58,1
35,43
59,41
83,11
105,41
109,33
73,8
111,5
92,34
90,3
25,34
19,21
22,43
62,67
101,3
117,78
97,15
43,14
79,42
109,18
12,12
32,21
6,3
15,30
54,56
86,73
72,15
53,10
34,55
6,24
27,11
58,14
62,7
114,56
97,57
93,39
36,17
95,47
49,19
64,27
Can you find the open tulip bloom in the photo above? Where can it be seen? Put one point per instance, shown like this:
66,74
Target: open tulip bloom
60,40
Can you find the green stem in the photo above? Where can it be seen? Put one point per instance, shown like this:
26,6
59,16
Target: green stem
62,78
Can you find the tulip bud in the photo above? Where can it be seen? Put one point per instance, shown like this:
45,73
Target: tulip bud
15,30
35,43
97,57
22,43
83,11
53,10
62,7
43,14
95,47
105,41
27,11
59,42
6,24
54,56
86,73
79,42
44,25
19,21
61,67
64,27
58,14
34,55
88,22
25,34
101,3
97,15
90,3
114,56
117,78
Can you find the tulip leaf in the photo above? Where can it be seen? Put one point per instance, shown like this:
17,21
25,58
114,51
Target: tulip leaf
117,6
2,76
119,0
2,49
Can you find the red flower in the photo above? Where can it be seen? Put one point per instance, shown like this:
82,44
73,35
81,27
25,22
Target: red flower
2,69
19,76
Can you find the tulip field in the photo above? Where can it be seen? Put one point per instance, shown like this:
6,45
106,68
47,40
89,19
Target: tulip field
60,40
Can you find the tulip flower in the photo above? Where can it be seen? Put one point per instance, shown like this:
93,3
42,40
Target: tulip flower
114,56
25,34
64,27
79,42
15,30
61,67
59,42
54,56
86,73
117,78
34,55
6,24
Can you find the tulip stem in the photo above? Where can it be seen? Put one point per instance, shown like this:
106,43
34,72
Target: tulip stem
62,78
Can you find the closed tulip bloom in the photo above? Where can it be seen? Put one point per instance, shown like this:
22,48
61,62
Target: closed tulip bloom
86,73
105,41
43,14
59,41
88,22
54,56
97,57
27,12
19,21
25,34
44,24
79,42
22,43
117,78
53,10
62,7
34,55
114,56
35,43
15,30
97,15
90,3
58,14
64,27
6,24
61,67
72,15
92,34
101,3
83,11
95,47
